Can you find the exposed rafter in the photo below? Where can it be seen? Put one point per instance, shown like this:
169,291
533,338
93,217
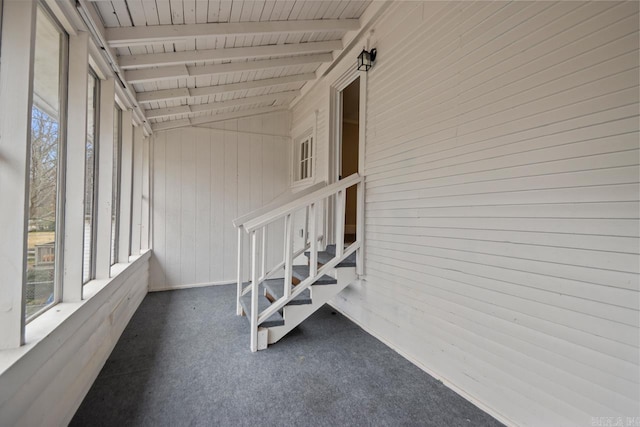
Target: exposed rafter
192,109
189,93
173,58
179,71
132,36
172,124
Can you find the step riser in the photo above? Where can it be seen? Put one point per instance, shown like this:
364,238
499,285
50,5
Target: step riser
320,295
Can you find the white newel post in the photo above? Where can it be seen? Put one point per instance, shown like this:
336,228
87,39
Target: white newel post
263,253
254,293
313,241
340,208
360,228
239,272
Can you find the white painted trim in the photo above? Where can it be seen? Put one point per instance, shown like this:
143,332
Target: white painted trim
75,166
178,71
135,36
136,198
172,124
471,398
16,86
145,198
126,179
191,93
184,57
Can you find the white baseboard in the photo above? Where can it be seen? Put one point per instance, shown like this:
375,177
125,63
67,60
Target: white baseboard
477,402
193,285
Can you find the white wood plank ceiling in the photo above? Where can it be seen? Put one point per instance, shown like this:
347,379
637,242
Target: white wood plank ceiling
197,61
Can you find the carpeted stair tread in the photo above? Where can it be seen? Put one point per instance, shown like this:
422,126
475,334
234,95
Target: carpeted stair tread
301,272
275,287
325,256
275,320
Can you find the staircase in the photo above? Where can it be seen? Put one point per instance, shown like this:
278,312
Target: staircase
278,300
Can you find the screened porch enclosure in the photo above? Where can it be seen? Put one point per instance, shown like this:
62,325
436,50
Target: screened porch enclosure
466,203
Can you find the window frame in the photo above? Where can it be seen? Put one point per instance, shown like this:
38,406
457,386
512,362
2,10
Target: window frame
116,190
63,83
94,193
304,132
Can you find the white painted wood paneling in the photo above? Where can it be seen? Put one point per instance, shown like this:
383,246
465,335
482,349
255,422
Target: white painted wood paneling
204,178
502,236
47,384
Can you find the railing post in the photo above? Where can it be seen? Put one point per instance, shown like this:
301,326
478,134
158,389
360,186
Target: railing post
254,294
313,241
360,228
340,221
288,254
263,266
239,290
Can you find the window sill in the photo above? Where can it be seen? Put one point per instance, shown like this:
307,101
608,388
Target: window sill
49,322
298,185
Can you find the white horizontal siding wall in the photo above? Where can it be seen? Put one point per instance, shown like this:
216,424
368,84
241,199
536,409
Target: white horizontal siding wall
502,236
204,178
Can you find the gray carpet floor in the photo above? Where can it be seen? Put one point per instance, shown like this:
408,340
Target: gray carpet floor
184,360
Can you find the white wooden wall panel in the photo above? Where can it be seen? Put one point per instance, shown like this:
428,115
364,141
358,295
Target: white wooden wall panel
502,236
204,178
46,387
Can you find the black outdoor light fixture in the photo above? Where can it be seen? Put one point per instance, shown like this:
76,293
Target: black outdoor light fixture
366,59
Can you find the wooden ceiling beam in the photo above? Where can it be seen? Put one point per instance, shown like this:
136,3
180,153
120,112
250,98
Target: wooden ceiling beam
144,35
189,93
181,71
185,57
197,108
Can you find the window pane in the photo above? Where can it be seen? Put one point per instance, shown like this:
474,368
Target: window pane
42,238
115,205
89,180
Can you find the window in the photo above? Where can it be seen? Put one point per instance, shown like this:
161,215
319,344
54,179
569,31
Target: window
91,162
115,201
45,167
305,167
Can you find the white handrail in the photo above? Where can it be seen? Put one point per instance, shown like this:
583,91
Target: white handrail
309,202
282,199
294,205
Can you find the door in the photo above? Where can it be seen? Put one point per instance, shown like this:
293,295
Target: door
349,145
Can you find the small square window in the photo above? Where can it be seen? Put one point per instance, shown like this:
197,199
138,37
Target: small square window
304,157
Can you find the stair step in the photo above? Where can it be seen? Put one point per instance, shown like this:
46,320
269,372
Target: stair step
275,320
326,256
301,272
275,287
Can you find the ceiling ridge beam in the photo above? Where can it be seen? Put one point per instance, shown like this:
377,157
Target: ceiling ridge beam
173,124
179,93
144,35
182,71
197,108
184,57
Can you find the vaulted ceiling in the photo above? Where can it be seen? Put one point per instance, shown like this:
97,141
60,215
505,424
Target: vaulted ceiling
198,61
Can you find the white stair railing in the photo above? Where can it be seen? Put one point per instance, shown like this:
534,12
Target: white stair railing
255,225
239,224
